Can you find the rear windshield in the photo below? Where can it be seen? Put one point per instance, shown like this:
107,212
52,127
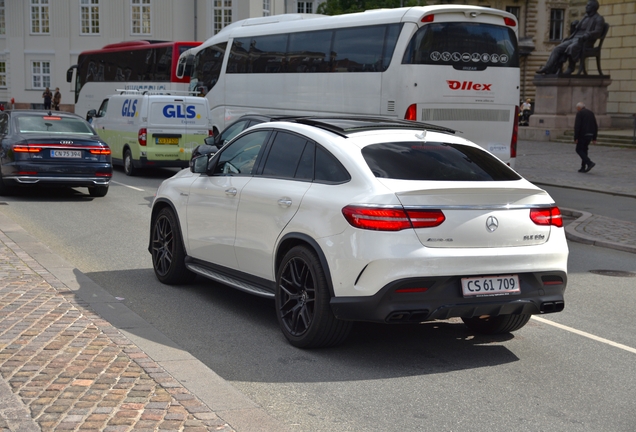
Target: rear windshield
465,46
53,124
435,161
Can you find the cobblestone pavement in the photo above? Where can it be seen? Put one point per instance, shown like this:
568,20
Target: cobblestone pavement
65,368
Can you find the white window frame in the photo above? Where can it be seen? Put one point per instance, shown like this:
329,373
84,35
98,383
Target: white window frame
140,17
89,17
3,25
39,17
40,74
3,74
221,14
305,7
267,7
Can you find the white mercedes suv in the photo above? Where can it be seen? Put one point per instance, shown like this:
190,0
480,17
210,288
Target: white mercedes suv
363,219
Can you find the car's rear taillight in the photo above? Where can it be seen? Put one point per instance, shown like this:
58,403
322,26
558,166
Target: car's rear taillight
103,174
515,134
26,149
411,112
142,136
100,151
510,22
547,216
391,219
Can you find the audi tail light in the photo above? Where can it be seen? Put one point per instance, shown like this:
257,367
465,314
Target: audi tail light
391,219
100,151
547,216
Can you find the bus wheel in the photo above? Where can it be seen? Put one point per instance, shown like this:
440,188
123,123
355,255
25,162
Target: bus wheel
129,169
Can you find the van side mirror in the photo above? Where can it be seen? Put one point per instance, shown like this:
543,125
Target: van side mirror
91,113
69,73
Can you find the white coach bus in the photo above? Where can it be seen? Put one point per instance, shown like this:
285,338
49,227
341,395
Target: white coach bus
449,65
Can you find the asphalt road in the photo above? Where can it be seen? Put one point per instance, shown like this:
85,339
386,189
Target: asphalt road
438,376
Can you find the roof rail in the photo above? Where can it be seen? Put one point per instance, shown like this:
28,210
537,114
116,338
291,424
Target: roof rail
345,125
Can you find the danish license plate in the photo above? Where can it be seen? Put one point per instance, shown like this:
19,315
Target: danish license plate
169,141
66,153
491,286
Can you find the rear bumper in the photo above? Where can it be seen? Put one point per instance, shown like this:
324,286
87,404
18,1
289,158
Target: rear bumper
541,292
56,181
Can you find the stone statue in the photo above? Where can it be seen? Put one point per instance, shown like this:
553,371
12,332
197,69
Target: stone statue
585,33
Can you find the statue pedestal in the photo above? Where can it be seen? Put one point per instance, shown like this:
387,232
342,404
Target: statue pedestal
557,96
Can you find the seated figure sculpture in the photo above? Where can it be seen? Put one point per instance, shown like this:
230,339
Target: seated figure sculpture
585,33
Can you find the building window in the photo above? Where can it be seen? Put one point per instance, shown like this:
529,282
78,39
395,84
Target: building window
267,8
140,16
89,13
41,74
3,74
222,14
515,10
556,24
39,16
3,29
305,7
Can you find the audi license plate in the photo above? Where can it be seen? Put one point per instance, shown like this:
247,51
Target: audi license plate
66,153
491,286
170,141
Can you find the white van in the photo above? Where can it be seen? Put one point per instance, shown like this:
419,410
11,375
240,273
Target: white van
149,129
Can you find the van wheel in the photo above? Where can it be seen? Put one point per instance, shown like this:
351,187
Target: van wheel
129,169
98,191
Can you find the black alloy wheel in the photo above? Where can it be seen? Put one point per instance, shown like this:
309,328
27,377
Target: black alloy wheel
168,255
302,302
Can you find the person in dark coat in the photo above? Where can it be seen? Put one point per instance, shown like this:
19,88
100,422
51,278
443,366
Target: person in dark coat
47,96
585,131
586,32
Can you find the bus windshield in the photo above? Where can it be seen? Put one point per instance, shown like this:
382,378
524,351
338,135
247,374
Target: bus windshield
465,46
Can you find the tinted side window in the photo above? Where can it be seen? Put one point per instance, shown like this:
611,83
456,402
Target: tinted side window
362,49
309,51
284,155
208,66
328,169
101,112
240,156
267,54
435,161
232,131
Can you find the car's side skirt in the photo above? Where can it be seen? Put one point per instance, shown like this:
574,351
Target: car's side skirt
231,278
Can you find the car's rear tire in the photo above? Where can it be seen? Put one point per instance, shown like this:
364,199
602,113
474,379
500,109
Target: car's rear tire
302,302
5,190
98,191
129,168
168,253
497,324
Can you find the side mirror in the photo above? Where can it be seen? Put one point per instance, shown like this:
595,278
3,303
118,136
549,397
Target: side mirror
199,164
90,114
185,66
69,73
203,149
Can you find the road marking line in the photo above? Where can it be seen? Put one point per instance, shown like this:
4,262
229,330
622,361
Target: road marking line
585,334
128,186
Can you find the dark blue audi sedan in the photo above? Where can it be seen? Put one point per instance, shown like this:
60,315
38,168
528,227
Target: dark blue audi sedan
43,149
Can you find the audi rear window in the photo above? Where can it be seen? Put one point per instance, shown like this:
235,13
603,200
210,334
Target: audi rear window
435,161
53,124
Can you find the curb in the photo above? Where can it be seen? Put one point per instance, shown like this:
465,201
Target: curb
571,232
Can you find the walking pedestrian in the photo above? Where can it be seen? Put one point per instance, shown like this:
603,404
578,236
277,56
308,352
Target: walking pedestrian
47,96
585,131
57,98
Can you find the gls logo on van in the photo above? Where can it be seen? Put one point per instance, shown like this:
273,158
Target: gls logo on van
129,109
176,111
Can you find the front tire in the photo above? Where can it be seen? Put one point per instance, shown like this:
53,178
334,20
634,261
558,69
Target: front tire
98,191
497,324
129,169
302,302
168,254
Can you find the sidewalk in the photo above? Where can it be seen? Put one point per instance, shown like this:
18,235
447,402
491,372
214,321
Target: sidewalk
69,359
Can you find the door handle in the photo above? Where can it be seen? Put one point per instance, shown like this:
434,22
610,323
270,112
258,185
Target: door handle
285,202
231,191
